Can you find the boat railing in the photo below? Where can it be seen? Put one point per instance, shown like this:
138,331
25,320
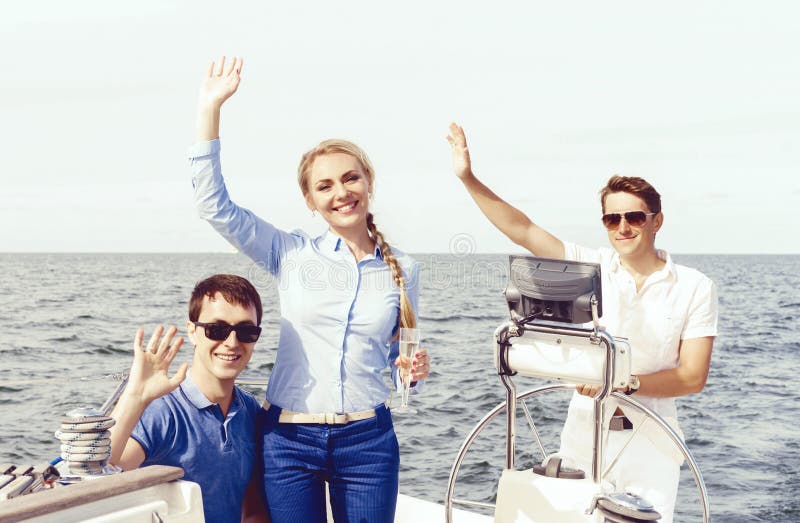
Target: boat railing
79,494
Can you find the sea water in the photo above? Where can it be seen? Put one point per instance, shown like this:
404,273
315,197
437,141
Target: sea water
67,323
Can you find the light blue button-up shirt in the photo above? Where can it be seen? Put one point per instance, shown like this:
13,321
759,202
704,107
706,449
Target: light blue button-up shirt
338,317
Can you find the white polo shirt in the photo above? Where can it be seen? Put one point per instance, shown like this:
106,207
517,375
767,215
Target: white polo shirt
675,303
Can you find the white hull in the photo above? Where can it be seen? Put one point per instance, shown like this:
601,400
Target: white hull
134,497
414,510
131,497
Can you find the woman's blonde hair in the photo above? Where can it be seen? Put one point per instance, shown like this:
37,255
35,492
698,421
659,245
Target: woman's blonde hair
407,317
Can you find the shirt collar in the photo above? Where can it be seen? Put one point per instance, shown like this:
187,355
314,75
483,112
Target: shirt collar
199,400
331,242
667,271
669,266
194,394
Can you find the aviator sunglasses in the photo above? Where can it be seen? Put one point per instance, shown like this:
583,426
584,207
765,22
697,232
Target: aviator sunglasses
221,331
634,219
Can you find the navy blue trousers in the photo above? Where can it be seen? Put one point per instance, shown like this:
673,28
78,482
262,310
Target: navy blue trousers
359,460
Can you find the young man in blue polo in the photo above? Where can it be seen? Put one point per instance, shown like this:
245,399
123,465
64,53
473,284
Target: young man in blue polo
198,419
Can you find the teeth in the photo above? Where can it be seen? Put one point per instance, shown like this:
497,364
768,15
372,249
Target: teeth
347,207
227,357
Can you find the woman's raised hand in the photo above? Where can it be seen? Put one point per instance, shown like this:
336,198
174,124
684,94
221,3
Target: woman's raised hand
458,141
220,83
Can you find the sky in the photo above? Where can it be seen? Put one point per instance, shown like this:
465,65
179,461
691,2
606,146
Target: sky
701,98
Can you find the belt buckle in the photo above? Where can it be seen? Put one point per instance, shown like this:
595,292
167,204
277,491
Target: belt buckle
331,418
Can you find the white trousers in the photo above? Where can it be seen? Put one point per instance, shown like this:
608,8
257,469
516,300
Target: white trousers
649,466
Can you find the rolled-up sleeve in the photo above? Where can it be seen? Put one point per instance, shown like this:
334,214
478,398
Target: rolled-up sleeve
703,313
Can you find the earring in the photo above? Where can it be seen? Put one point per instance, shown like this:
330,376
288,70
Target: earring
313,213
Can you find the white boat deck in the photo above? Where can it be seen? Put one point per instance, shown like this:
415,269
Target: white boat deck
134,496
415,510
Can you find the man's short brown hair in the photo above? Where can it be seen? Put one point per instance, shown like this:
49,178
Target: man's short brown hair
633,185
234,289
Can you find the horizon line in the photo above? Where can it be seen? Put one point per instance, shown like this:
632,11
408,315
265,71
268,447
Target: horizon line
498,253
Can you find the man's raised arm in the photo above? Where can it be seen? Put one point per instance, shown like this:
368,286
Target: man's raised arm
511,221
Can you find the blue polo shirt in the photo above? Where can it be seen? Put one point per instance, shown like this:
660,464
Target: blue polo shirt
185,429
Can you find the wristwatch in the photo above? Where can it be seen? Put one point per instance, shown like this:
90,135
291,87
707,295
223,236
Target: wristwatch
633,385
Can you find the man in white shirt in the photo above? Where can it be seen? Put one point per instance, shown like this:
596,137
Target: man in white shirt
667,311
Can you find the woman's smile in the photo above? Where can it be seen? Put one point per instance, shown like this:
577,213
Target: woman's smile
346,208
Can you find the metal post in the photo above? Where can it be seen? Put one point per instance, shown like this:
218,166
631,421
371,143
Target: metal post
511,418
599,404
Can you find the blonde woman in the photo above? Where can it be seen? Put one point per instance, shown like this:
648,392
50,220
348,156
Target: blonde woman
343,296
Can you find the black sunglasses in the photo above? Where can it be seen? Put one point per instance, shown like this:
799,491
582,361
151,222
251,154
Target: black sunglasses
221,331
634,218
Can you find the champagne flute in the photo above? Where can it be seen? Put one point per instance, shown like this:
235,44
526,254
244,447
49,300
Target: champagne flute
409,343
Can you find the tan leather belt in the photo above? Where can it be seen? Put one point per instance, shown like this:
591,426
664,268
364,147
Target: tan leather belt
325,418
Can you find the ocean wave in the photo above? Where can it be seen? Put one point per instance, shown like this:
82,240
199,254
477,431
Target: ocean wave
110,349
9,390
696,442
458,317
